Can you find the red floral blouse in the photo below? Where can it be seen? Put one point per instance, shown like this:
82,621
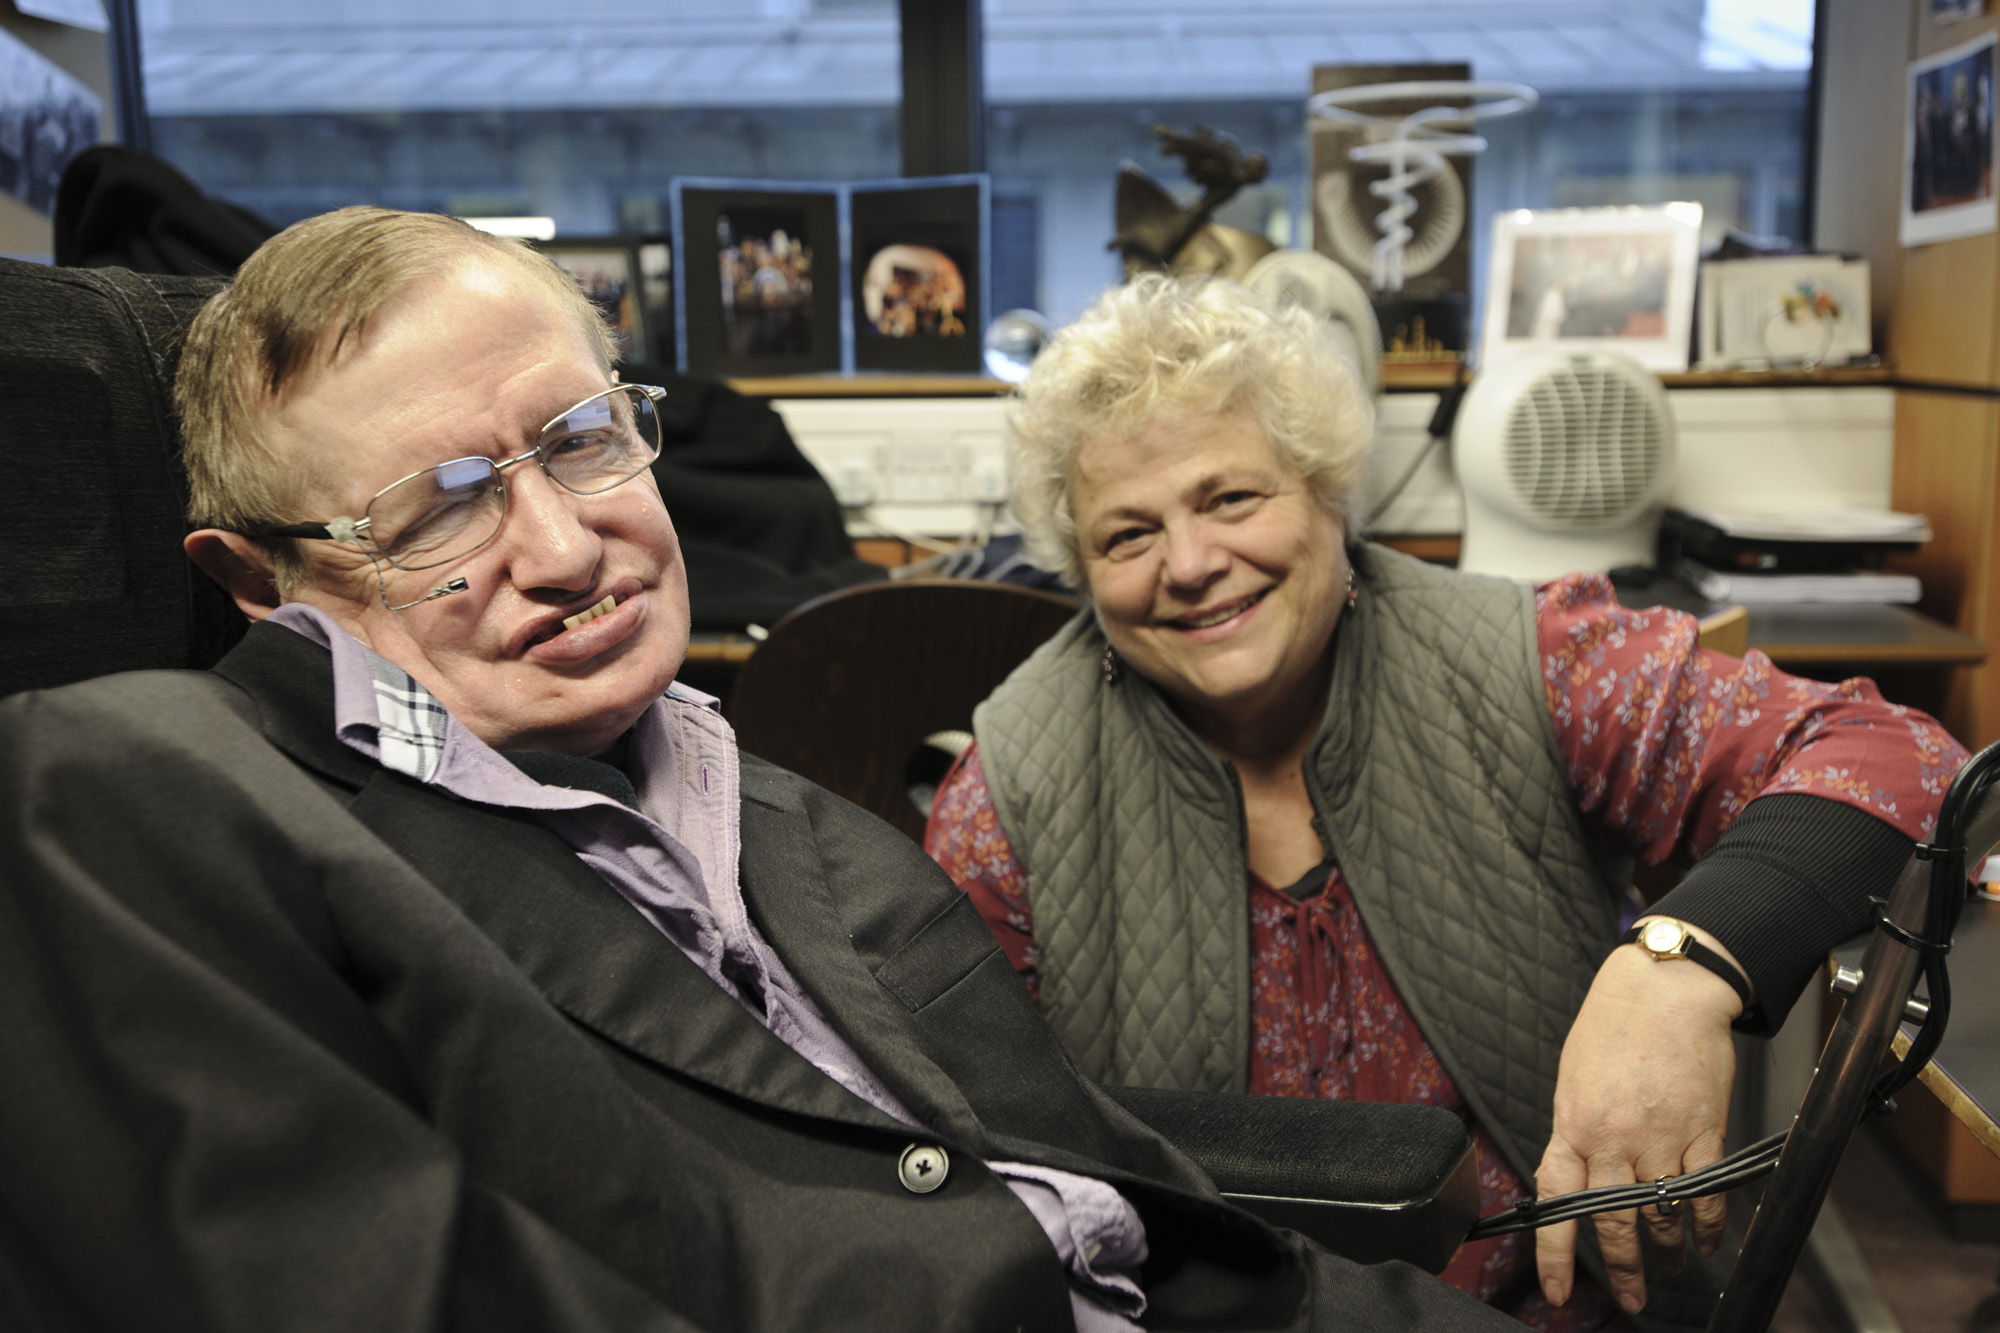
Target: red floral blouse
1665,743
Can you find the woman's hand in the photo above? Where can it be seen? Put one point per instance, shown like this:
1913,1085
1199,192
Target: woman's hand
1642,1092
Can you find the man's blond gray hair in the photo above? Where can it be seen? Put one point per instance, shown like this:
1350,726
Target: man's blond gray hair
1159,348
295,303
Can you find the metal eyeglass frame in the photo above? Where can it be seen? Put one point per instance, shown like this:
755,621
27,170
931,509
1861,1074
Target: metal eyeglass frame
355,531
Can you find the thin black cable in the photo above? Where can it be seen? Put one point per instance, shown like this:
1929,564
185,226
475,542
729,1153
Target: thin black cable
1741,1167
1443,421
1946,855
1395,492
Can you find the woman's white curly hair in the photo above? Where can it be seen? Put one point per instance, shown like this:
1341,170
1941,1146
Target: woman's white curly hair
1162,347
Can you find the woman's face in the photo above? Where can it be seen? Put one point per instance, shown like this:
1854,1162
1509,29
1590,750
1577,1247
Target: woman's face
1216,572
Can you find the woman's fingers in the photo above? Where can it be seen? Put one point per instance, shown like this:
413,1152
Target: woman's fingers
1621,1236
1666,1232
1618,1236
1642,1091
1712,1213
1561,1172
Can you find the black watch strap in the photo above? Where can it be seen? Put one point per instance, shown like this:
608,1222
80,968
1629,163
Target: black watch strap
1697,952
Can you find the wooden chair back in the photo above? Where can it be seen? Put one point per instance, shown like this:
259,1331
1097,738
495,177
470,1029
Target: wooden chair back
848,686
1725,631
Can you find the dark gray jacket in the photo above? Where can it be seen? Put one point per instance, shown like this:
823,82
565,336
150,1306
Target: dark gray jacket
295,1042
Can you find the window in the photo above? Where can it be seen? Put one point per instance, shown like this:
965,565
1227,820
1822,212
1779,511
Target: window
1641,103
585,111
580,111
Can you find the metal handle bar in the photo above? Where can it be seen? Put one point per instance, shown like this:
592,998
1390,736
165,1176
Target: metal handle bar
1925,899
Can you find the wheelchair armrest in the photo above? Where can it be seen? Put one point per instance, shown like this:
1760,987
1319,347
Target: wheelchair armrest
1367,1180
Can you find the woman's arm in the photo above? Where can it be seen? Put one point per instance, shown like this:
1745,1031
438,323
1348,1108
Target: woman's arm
964,836
1796,800
1800,799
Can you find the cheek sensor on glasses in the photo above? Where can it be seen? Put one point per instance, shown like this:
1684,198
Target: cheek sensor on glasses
442,590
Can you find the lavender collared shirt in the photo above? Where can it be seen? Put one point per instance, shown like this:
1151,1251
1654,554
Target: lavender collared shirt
675,861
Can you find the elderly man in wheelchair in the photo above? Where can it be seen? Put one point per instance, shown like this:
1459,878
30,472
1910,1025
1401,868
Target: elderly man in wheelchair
436,961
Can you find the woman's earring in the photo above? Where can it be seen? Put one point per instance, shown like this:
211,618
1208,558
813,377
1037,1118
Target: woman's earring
1110,665
1352,596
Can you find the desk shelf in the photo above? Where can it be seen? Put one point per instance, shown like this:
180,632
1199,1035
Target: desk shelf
1863,637
1423,378
1860,636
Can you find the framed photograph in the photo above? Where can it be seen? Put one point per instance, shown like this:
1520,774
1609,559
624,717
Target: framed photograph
607,268
1948,145
757,268
1791,310
1951,11
1594,278
46,118
1428,321
918,273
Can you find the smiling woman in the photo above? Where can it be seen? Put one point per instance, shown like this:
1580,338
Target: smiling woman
1287,812
1215,570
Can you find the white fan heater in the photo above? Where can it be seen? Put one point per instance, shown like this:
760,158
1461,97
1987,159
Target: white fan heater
1307,278
1565,459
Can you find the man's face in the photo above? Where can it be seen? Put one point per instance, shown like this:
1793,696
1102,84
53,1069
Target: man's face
475,363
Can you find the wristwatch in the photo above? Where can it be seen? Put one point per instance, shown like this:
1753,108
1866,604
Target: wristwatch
1665,939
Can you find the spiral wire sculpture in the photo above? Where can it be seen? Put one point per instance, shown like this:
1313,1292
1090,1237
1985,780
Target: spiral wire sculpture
1415,148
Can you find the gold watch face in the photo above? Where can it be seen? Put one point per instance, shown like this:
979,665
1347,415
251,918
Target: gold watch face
1663,937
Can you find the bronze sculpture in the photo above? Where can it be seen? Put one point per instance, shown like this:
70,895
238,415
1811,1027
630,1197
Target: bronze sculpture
1155,233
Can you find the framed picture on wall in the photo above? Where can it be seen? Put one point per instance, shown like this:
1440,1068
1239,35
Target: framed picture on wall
1594,278
607,268
1949,163
757,277
47,117
918,273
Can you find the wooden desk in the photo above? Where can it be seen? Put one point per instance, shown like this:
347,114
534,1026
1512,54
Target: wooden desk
1426,377
869,385
1796,637
1818,635
708,646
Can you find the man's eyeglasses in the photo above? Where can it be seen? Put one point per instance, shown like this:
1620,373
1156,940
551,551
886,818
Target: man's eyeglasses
448,511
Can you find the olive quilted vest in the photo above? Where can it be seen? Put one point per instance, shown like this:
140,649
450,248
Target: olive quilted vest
1437,785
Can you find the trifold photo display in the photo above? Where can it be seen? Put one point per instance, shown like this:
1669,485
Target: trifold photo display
785,278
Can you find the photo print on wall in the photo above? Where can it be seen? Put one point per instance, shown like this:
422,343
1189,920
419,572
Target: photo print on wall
47,117
606,272
1954,11
1949,145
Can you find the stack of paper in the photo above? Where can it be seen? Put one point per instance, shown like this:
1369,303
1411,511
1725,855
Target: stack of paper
1817,525
1768,589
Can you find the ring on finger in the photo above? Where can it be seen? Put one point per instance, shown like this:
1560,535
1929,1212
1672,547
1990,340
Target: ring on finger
1664,1203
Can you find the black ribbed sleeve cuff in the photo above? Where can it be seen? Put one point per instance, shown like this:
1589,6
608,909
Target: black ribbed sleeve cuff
1791,878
